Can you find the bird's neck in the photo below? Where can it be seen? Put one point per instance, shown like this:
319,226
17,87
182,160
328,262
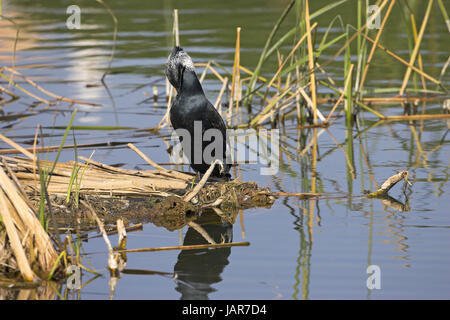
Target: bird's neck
190,84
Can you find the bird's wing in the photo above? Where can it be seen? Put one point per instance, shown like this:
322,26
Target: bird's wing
213,119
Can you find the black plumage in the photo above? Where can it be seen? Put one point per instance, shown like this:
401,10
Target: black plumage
191,105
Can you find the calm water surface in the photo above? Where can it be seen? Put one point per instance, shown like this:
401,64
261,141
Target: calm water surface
299,249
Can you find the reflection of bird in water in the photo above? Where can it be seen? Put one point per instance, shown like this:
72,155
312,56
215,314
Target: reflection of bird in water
198,270
191,108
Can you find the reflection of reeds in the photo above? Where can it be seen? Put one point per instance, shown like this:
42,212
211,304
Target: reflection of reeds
38,87
113,48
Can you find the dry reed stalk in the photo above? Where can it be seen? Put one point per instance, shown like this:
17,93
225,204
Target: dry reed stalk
4,76
417,117
387,51
260,78
190,247
203,75
237,62
241,222
269,108
48,254
136,227
416,48
297,98
276,109
165,120
27,228
280,68
420,150
311,61
176,32
214,71
46,92
310,103
217,104
313,181
390,100
18,147
188,197
103,166
377,39
35,149
155,93
34,154
419,59
16,243
320,68
266,114
19,186
387,100
235,77
141,173
112,262
12,95
295,194
122,234
102,179
341,97
147,159
167,89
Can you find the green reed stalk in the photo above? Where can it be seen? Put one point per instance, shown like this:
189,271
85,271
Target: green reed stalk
444,14
416,47
348,71
361,48
277,25
268,51
45,175
75,170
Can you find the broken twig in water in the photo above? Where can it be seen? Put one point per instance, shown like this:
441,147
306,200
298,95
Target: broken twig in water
389,183
191,247
112,263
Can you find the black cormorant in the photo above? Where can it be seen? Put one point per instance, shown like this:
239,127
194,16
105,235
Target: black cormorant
191,110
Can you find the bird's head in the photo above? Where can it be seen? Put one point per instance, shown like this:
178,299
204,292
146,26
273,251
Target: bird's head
177,62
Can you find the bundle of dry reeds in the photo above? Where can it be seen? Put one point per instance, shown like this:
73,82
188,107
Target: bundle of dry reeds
33,252
98,178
